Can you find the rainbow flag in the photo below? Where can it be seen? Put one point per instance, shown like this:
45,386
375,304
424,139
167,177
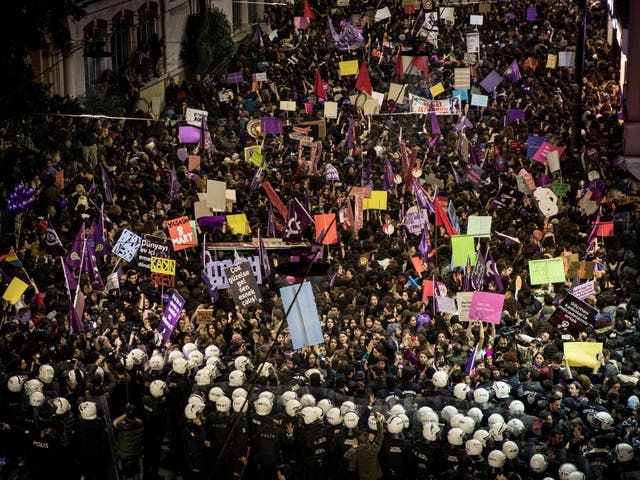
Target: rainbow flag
11,258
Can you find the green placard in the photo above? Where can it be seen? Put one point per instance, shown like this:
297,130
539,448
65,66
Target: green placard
560,189
479,225
546,271
463,248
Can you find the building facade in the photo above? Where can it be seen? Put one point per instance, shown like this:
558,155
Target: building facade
136,37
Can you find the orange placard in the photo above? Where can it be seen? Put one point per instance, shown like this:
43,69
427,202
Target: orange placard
326,231
181,233
418,266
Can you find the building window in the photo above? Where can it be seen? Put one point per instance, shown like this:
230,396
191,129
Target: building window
237,14
146,26
94,53
120,43
253,12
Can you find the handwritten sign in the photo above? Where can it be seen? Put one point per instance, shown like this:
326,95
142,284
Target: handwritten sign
127,245
165,266
181,233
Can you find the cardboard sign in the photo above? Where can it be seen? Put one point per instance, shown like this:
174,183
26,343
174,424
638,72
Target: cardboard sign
463,299
505,198
162,280
14,291
166,266
152,247
428,289
59,181
377,201
195,117
416,219
181,233
303,321
446,304
584,290
260,77
583,354
326,231
479,225
486,307
542,272
464,249
204,315
560,189
348,67
216,195
171,315
243,286
127,245
418,266
572,315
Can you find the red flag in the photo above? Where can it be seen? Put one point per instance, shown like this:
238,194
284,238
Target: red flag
318,87
399,67
420,63
443,219
307,11
363,82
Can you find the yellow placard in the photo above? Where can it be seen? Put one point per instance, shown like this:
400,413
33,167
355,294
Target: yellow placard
238,224
14,290
349,67
166,266
437,89
582,354
377,201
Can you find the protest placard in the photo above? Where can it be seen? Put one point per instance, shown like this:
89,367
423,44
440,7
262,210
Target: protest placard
127,245
486,307
303,321
243,287
572,315
181,233
171,315
152,247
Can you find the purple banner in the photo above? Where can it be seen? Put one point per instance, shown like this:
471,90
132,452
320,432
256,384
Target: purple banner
171,315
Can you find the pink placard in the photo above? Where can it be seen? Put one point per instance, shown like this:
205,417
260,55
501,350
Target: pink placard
545,149
301,22
486,307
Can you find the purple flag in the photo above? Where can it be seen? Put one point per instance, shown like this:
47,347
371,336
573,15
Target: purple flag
235,77
74,257
297,220
515,114
491,81
332,281
272,231
471,361
513,72
106,184
477,276
69,279
456,175
367,168
421,197
350,139
491,271
52,243
272,125
532,14
76,323
257,37
174,185
425,247
101,244
212,221
435,126
434,141
510,16
388,176
171,314
90,266
264,258
92,187
205,137
464,123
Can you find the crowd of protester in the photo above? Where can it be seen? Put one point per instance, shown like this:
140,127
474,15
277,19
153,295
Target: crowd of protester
397,389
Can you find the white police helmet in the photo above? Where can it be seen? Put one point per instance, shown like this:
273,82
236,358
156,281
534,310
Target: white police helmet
624,452
310,414
236,378
197,398
33,385
46,373
577,476
482,435
223,404
174,355
156,362
440,379
268,395
240,404
516,408
455,436
602,421
239,392
196,357
187,348
288,395
15,383
447,412
501,389
516,427
158,388
76,375
397,409
325,404
192,410
454,421
203,377
347,406
311,371
476,414
430,431
460,390
405,419
538,463
496,459
179,366
493,419
242,363
308,400
467,424
265,369
137,355
395,424
333,416
292,407
262,406
497,431
481,395
36,399
565,470
350,419
88,410
211,351
473,447
427,414
510,449
60,405
215,393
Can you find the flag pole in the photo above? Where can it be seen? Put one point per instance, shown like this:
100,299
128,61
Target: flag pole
84,248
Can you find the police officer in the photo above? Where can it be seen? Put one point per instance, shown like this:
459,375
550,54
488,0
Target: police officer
154,416
426,461
195,443
316,442
394,452
266,438
91,443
